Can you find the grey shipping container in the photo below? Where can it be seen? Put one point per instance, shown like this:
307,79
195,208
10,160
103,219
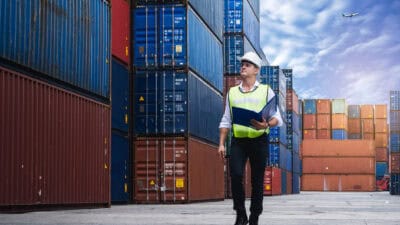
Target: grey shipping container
68,41
54,145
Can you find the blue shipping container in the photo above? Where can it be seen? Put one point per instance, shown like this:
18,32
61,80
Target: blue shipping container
395,184
235,45
170,102
285,159
310,106
120,167
177,38
354,111
296,183
296,163
394,121
289,78
120,96
381,169
278,134
394,100
395,142
65,40
274,154
339,134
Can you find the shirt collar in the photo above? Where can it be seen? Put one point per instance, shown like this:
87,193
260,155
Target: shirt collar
256,84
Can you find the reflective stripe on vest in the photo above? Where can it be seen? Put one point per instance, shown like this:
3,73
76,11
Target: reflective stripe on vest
255,101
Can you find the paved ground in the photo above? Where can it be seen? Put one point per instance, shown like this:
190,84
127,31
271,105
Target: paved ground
307,208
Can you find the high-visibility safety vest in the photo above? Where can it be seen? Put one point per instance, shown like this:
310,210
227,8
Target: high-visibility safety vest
254,100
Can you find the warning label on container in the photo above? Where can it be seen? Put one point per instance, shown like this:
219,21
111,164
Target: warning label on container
179,183
152,182
178,48
141,99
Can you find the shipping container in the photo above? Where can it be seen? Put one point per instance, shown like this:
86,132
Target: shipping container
395,162
309,121
339,134
323,121
283,181
367,111
55,145
380,112
278,134
289,182
289,81
310,106
367,126
120,168
297,163
172,102
276,151
395,184
381,140
174,36
235,45
354,111
62,41
339,121
323,106
272,181
230,81
332,148
354,125
309,134
339,165
381,126
381,169
120,96
177,170
395,121
324,134
339,106
382,154
394,100
368,136
333,182
354,136
395,142
296,183
241,19
292,101
120,18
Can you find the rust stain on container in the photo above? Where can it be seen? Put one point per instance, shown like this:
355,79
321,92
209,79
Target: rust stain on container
339,165
176,169
354,126
323,121
380,112
367,111
55,145
320,148
309,121
381,154
339,121
323,106
333,182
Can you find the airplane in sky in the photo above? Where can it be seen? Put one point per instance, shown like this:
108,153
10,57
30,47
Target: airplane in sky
349,14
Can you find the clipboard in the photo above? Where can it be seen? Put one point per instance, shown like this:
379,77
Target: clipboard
243,116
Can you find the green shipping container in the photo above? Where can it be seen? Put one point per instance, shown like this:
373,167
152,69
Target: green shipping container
339,106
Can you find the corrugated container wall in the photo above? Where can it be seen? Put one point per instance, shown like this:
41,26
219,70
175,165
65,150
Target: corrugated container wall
120,12
55,145
120,167
120,96
68,41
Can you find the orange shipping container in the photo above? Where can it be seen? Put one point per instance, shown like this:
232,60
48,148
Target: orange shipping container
381,154
320,148
380,112
368,136
367,111
323,134
354,126
333,182
309,121
323,121
367,125
395,162
323,106
339,121
381,125
381,140
309,134
339,165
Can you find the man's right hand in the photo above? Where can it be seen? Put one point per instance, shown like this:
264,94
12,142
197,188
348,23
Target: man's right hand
221,151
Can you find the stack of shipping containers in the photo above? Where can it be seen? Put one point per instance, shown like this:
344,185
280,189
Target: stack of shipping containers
339,119
241,34
309,119
55,103
367,122
293,133
279,155
394,142
121,162
178,77
381,140
323,119
354,122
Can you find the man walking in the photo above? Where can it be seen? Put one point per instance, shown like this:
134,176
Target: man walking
248,141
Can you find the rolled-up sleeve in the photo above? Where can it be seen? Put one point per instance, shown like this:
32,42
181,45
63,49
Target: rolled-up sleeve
226,121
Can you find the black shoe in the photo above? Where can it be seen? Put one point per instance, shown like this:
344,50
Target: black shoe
241,219
253,219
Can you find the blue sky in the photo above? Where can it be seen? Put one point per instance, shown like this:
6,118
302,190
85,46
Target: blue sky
355,58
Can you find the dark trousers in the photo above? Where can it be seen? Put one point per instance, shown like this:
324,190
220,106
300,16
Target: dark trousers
256,150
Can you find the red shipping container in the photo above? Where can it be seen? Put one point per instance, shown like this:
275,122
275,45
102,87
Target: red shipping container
334,148
323,121
334,182
309,121
272,181
367,126
380,112
339,121
55,145
381,154
367,111
381,125
323,134
120,19
323,106
289,183
354,126
381,140
309,134
339,165
395,162
177,170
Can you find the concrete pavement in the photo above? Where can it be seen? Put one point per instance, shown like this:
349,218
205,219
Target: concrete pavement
307,208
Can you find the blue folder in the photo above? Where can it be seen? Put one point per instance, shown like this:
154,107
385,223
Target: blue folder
243,116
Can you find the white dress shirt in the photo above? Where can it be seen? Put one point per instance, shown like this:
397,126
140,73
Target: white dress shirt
226,121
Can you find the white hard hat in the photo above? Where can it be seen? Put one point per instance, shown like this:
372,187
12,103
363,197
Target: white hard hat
252,58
